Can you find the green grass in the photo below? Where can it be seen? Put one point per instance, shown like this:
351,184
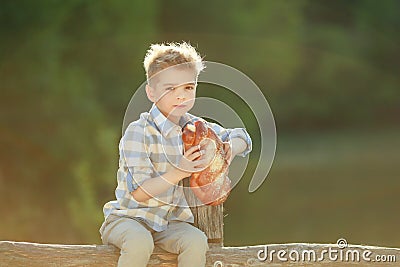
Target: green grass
323,186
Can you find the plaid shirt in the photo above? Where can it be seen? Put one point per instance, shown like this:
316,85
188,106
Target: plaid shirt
147,149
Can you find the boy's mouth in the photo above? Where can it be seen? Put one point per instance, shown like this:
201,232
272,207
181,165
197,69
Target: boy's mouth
179,106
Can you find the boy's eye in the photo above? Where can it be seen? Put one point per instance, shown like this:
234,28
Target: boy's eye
187,87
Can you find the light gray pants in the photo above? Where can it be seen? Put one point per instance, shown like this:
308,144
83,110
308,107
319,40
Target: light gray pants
136,242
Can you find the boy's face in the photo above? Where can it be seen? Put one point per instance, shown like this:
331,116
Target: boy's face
173,90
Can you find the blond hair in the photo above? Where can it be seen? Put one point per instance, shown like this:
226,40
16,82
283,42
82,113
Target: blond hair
162,56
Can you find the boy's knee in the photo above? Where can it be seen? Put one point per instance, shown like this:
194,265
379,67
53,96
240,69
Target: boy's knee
138,243
196,240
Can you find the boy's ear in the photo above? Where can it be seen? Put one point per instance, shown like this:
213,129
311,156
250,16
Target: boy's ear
150,93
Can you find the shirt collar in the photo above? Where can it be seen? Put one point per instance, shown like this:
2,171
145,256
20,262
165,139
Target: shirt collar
165,125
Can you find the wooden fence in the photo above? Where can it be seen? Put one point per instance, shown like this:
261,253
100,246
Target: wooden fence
209,220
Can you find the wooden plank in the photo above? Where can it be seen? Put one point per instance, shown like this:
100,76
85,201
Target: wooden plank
44,255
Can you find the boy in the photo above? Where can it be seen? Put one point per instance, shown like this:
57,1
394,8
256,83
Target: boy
150,206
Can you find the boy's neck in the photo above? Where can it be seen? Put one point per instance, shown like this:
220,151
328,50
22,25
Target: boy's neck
173,119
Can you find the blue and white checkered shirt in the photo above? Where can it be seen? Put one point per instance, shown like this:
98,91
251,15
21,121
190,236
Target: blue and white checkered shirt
149,148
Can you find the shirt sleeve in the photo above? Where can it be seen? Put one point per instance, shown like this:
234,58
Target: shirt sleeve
135,157
229,134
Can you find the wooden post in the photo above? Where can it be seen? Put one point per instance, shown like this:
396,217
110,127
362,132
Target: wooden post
209,219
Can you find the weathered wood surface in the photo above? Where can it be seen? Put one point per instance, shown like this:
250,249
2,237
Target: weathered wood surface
43,255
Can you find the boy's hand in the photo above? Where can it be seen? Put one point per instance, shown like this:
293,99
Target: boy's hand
209,147
191,161
228,152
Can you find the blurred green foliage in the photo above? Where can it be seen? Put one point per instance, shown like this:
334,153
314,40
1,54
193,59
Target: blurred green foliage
69,68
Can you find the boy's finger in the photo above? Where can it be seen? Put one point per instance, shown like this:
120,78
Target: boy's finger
192,149
228,147
201,163
195,155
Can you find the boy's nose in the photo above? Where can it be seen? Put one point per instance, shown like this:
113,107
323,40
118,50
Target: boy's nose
180,93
